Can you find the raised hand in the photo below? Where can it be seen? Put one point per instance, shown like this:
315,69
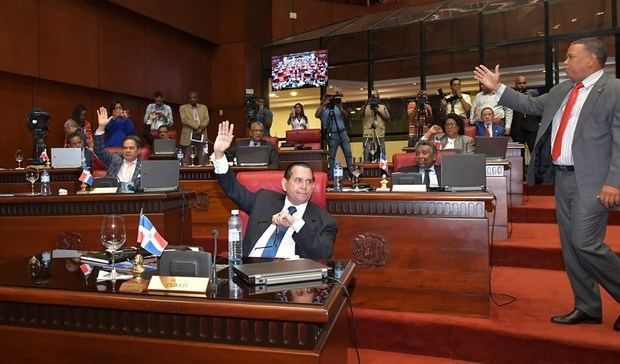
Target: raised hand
102,117
224,138
487,77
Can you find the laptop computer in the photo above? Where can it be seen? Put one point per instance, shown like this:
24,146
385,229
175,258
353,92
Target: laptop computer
66,157
493,147
463,172
159,176
253,156
281,271
164,147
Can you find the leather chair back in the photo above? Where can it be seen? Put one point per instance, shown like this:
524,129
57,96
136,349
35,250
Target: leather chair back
172,134
270,139
308,137
145,151
400,160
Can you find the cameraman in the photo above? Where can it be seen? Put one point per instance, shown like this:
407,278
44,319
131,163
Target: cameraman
456,102
373,122
333,117
264,116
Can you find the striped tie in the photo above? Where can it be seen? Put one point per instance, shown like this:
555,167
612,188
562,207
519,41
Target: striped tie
276,238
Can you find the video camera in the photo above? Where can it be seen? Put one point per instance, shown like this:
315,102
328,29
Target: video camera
373,101
335,99
251,107
38,124
448,99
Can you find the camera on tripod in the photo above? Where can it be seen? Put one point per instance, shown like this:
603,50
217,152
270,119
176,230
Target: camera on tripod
373,102
335,99
251,107
448,99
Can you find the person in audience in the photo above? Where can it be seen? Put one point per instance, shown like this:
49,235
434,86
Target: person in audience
264,116
426,155
78,116
162,133
418,118
374,117
118,127
456,102
487,98
125,167
157,113
298,119
524,126
487,126
454,136
76,141
71,127
195,119
578,148
299,228
256,140
333,125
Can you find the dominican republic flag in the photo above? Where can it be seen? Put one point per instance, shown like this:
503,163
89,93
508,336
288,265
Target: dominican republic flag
86,177
383,164
43,157
149,238
86,269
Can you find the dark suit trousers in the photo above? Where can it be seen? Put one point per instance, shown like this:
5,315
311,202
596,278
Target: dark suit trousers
587,259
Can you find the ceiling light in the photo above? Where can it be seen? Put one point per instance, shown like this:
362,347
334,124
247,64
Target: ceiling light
293,93
273,94
573,20
600,13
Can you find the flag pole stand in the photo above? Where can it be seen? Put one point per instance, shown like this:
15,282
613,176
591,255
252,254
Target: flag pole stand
83,189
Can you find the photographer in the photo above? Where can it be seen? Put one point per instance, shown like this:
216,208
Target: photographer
419,118
333,117
373,122
264,116
456,102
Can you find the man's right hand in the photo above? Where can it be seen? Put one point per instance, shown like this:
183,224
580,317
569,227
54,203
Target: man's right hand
224,139
487,77
102,118
435,129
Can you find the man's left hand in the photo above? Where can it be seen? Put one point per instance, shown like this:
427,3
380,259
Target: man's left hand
507,131
609,196
283,219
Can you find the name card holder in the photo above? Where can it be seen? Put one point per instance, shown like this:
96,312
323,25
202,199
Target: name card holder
178,284
408,188
495,171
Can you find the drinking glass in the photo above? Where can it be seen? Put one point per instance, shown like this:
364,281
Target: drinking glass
356,171
19,157
113,235
192,154
32,175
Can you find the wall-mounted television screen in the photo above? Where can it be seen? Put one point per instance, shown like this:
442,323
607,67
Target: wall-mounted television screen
299,70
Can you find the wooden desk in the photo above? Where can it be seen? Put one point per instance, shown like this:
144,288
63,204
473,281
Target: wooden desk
416,251
14,180
315,158
68,318
514,155
33,224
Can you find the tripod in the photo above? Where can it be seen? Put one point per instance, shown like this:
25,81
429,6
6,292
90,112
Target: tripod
372,147
333,142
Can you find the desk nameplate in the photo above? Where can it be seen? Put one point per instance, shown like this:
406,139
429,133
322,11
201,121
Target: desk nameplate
431,208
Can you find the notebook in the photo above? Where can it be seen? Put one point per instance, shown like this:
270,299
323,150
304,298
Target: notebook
253,156
159,176
66,157
164,147
492,147
281,271
463,172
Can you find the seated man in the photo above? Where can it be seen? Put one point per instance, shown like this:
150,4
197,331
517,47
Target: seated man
162,132
75,141
256,139
298,227
426,154
72,127
487,127
125,168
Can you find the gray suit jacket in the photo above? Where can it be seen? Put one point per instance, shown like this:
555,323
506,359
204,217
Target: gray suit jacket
115,161
596,144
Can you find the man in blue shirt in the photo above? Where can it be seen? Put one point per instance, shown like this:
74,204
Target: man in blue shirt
332,117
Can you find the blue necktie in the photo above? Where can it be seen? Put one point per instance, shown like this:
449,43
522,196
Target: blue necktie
276,238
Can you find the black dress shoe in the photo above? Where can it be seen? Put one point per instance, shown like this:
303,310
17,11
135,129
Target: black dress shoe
617,324
576,317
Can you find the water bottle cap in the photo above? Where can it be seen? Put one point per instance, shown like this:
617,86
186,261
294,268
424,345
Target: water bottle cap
234,212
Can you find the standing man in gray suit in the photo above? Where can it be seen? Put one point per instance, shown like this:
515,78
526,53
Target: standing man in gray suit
578,142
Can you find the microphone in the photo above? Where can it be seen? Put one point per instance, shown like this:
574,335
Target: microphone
215,233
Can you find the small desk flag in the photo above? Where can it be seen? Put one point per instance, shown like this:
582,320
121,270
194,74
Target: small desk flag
149,238
43,157
86,177
383,164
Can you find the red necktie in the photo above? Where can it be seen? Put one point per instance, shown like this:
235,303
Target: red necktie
557,142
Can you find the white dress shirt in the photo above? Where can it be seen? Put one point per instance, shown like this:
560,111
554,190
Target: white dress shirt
432,176
127,170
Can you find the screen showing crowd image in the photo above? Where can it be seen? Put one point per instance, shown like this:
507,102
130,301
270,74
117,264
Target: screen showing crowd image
299,70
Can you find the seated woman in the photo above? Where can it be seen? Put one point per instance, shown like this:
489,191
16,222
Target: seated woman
454,137
298,119
118,127
78,122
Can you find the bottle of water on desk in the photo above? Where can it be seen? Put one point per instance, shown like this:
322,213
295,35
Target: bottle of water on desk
45,183
234,238
180,156
338,174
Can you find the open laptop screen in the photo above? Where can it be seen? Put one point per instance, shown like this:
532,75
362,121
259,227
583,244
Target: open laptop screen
253,156
492,147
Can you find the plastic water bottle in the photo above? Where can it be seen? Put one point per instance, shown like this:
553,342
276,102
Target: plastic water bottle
234,238
338,174
180,156
45,183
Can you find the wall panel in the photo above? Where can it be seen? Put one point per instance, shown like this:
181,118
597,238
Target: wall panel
163,65
196,72
228,76
15,91
68,44
19,54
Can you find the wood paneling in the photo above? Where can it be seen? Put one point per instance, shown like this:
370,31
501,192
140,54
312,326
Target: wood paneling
162,66
16,92
19,54
281,25
68,42
228,77
311,14
196,71
121,51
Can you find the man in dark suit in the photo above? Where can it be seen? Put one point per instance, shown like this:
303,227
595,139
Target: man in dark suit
426,155
486,126
578,143
280,225
524,126
256,139
125,167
